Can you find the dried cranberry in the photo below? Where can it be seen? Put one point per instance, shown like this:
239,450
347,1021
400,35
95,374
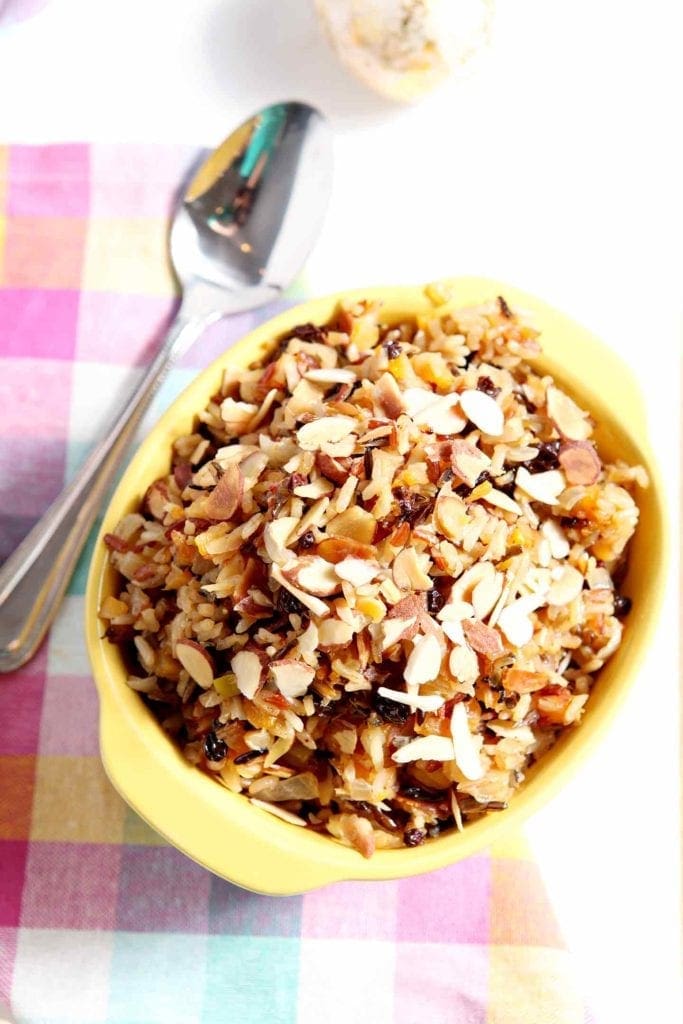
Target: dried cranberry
215,749
622,605
435,601
486,385
307,541
287,604
414,836
391,710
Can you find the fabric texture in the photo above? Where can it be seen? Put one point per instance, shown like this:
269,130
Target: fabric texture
100,920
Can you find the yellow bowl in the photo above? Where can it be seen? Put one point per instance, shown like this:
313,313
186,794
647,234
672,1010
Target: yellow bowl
245,844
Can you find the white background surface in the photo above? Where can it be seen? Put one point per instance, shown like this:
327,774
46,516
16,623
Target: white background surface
553,166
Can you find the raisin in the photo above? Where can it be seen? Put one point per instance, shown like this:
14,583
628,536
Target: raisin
413,507
622,605
307,332
435,601
391,710
120,633
486,385
308,540
414,836
569,522
215,749
392,349
287,604
428,796
546,458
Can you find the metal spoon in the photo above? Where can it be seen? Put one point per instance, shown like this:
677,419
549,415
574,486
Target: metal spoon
240,234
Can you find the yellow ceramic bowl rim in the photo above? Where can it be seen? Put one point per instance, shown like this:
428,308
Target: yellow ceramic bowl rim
222,830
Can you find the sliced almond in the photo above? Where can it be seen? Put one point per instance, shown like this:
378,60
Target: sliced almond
388,396
502,500
580,462
408,571
442,416
357,571
416,399
336,549
450,516
331,469
334,633
312,574
196,661
225,498
464,664
237,415
411,609
570,420
419,702
314,490
291,677
468,461
246,666
311,602
545,487
483,411
425,748
553,533
486,592
329,429
518,681
515,622
392,630
355,523
275,537
466,750
566,588
483,639
424,661
332,375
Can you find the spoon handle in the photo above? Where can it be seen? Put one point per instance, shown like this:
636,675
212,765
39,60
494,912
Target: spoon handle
36,574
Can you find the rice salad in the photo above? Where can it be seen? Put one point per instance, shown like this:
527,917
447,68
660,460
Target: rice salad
381,575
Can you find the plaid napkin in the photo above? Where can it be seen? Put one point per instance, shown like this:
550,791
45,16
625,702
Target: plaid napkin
100,920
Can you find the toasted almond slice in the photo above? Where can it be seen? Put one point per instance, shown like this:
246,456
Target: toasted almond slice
357,571
225,498
570,420
291,677
275,537
487,592
277,812
566,588
311,602
450,515
196,661
468,461
442,416
411,608
246,666
545,487
312,574
519,681
389,396
334,633
424,661
463,664
332,375
484,412
416,399
419,702
501,500
393,630
316,489
515,622
237,415
466,753
336,549
355,523
425,748
553,533
329,429
408,571
580,462
483,639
